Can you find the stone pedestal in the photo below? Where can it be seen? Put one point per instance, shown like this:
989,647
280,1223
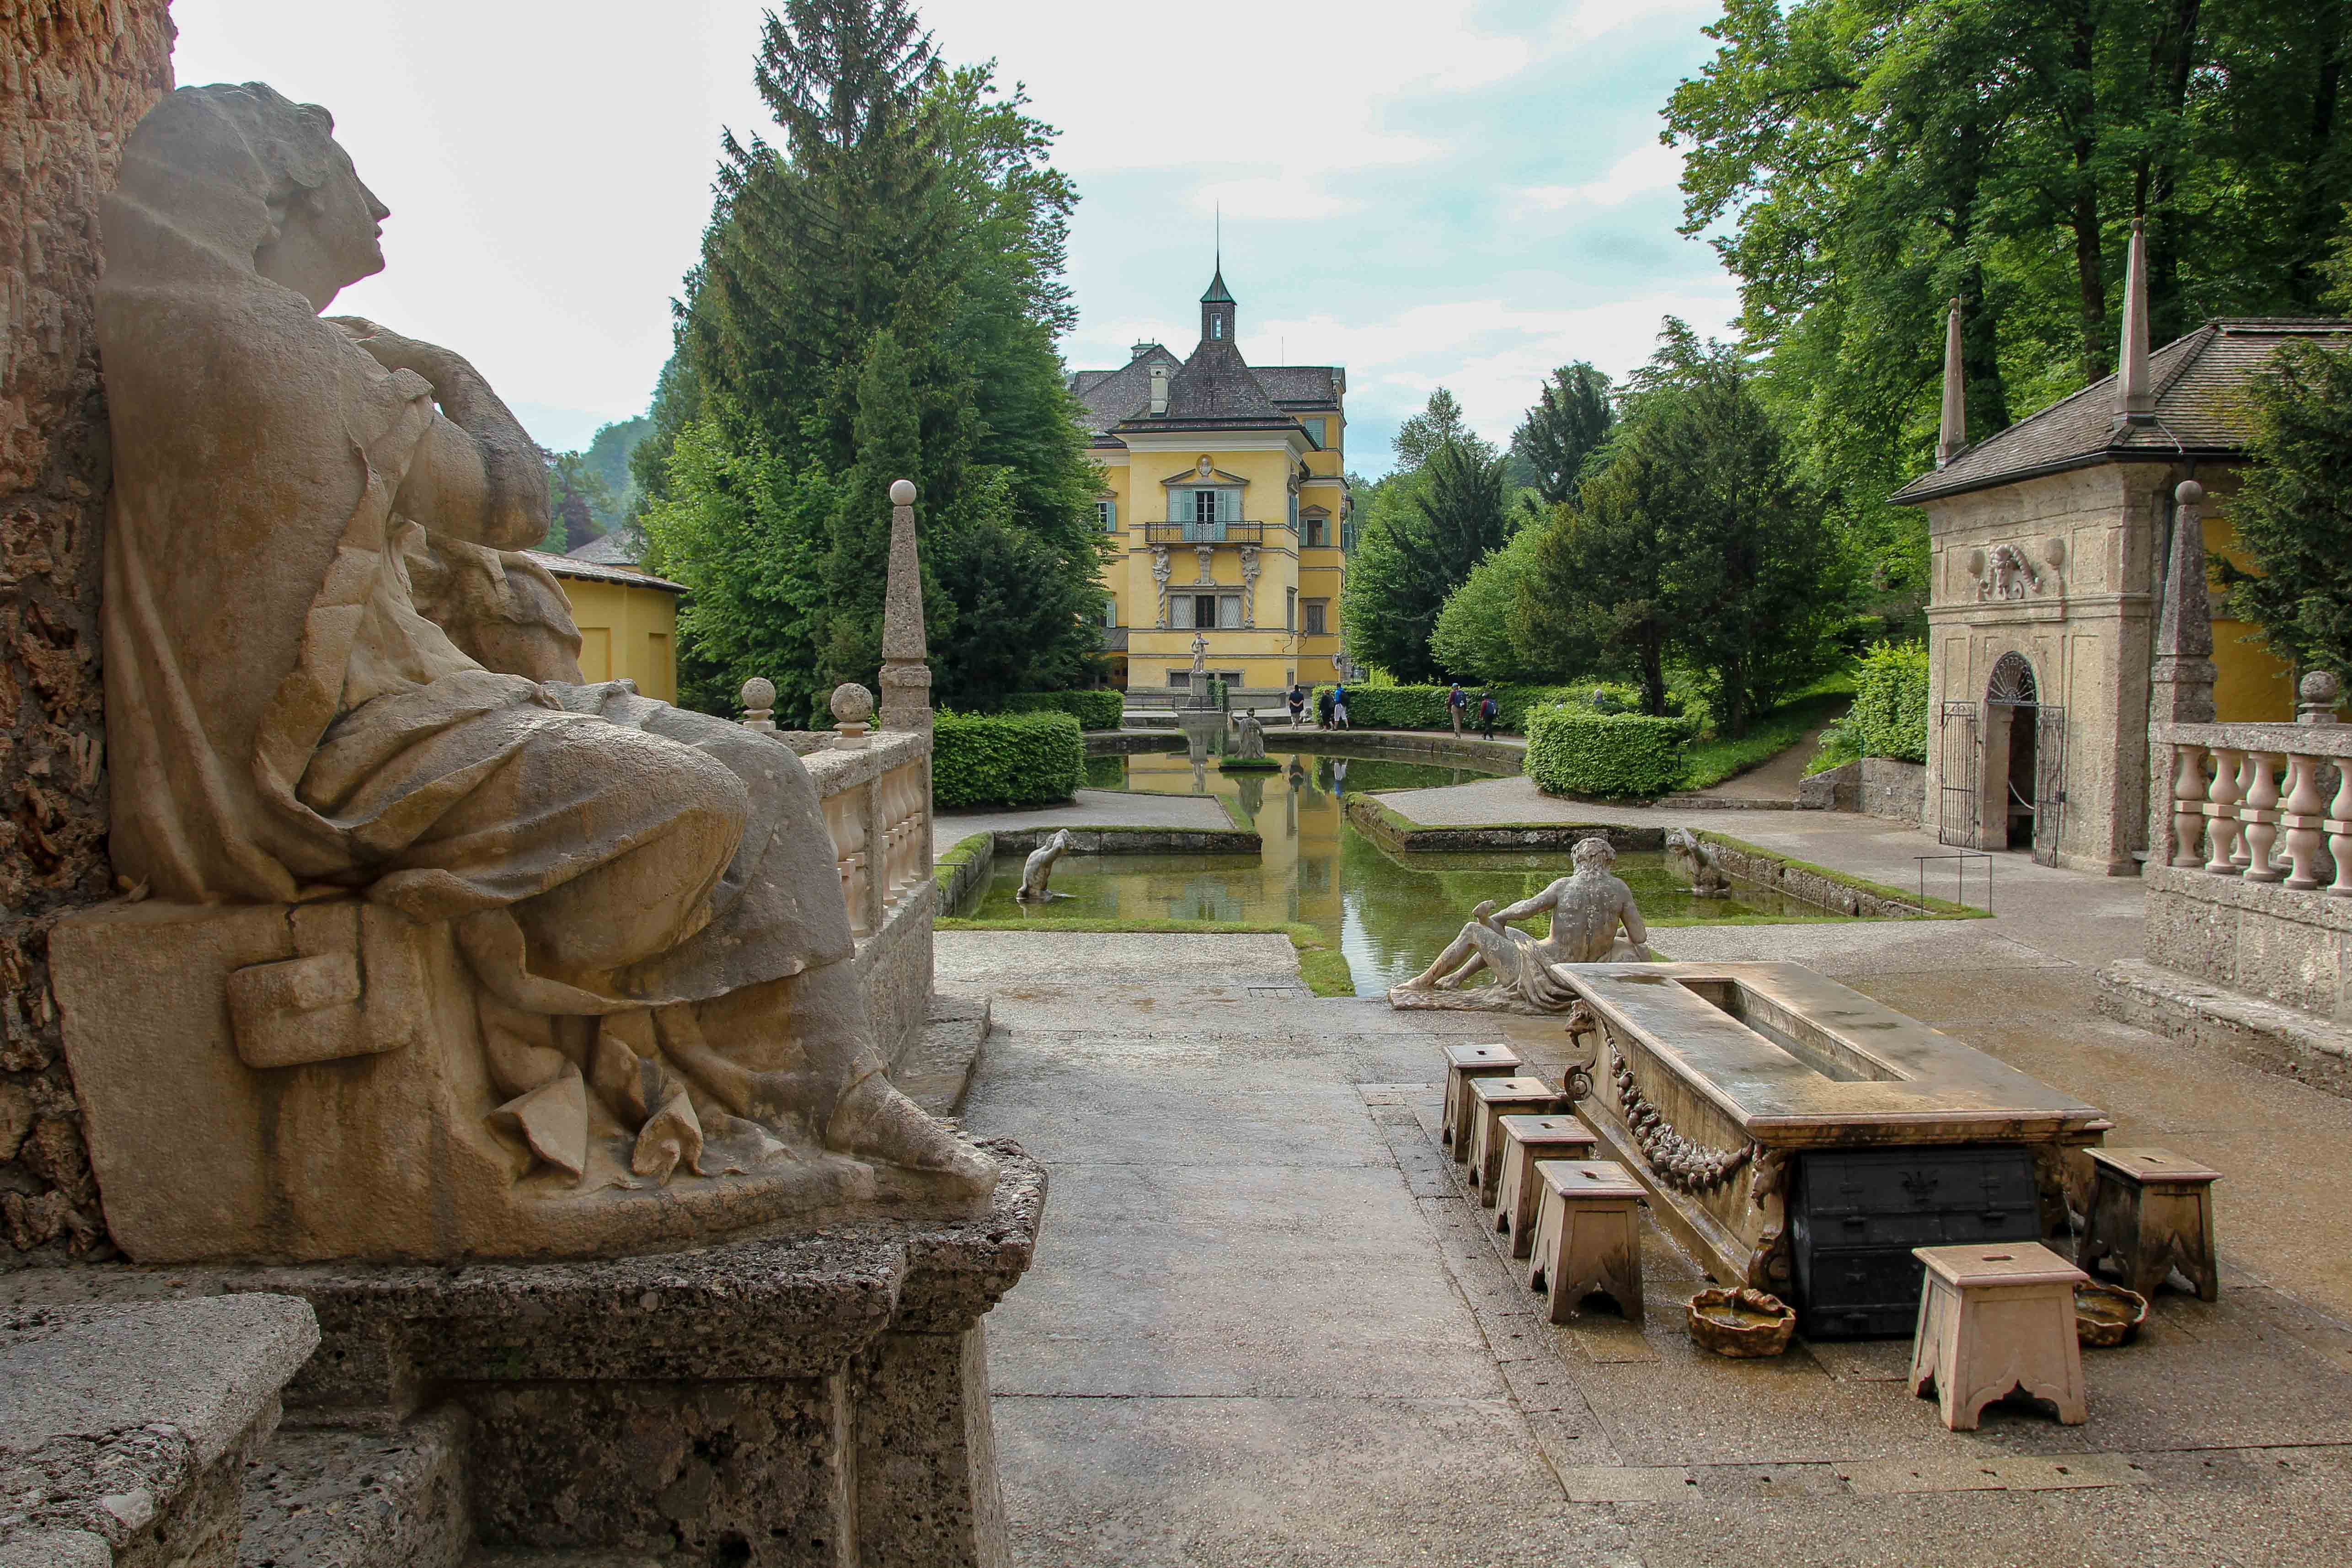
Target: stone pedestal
817,1399
354,1115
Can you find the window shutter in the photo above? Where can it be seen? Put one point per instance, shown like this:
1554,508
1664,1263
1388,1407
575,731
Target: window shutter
1180,505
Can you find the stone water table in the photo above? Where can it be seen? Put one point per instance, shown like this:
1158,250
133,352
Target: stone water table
1800,1137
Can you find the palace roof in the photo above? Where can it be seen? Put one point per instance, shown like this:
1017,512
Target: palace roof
2200,411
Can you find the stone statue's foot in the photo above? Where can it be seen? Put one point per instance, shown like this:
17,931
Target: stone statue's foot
874,1122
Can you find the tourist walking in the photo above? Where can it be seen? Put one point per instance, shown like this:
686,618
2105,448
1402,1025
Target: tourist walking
1298,704
1339,707
1323,708
1456,701
1488,712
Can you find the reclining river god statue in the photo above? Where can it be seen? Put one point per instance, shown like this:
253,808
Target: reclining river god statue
1588,909
336,688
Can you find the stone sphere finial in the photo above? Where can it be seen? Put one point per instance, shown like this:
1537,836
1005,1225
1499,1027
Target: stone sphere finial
759,695
852,703
902,492
2188,492
2320,692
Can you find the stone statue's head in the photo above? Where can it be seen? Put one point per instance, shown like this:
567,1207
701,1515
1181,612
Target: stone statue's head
1593,855
251,173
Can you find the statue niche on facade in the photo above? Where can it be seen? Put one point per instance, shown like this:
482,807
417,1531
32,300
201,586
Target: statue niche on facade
1588,909
331,674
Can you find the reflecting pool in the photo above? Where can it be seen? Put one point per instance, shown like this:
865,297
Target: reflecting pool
1392,914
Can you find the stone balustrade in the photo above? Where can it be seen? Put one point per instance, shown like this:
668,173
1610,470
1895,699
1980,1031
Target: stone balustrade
2266,802
878,803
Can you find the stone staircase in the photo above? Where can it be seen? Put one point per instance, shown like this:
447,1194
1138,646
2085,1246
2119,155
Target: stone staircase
363,1496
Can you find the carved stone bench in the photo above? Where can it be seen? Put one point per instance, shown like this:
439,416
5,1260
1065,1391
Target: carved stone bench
1491,1099
2152,1211
1526,1140
1588,1236
1463,1063
1994,1317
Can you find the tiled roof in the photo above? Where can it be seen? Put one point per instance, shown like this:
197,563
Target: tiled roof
1111,395
1217,384
597,571
1300,384
622,547
2199,411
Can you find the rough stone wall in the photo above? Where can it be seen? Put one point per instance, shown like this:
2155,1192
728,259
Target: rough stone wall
75,77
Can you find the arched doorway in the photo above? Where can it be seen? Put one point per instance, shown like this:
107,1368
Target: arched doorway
2004,765
2012,711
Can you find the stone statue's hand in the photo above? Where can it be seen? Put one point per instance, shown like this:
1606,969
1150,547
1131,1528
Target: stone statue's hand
394,351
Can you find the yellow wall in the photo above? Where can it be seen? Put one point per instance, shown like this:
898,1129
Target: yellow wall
1269,655
626,634
2250,682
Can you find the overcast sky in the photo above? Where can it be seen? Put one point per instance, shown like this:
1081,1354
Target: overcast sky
1427,192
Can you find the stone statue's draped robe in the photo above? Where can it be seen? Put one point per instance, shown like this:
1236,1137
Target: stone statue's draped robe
283,723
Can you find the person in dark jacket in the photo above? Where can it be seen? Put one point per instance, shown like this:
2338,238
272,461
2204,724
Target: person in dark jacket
1488,712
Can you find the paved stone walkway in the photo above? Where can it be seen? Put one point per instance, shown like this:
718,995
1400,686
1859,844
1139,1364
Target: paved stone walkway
1266,1328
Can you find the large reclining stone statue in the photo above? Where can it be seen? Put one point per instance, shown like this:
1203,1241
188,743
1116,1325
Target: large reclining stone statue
433,948
1588,910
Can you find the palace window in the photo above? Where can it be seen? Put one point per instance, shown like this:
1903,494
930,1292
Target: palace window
1110,610
1315,530
1107,513
1317,428
1318,616
1289,609
1229,611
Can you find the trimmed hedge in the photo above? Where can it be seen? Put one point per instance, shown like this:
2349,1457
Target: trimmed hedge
1574,751
1097,710
1423,707
1890,703
1005,759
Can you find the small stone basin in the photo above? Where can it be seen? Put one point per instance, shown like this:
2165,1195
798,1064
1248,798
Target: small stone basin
2108,1314
1741,1322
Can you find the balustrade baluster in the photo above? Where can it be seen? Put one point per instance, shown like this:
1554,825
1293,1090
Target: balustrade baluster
2261,816
2303,818
2187,806
2222,798
2339,830
2238,852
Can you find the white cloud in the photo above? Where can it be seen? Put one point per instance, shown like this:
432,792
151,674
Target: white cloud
1590,19
1650,167
1281,198
1490,353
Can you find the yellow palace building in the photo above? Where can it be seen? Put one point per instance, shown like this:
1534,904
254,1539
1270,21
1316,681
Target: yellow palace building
1225,488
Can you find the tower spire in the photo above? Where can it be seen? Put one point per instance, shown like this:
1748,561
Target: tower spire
1954,435
2135,394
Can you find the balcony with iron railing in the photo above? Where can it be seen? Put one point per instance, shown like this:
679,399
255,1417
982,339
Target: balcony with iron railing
1210,533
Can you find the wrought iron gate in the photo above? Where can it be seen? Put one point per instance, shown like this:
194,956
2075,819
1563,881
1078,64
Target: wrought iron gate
1963,758
2049,781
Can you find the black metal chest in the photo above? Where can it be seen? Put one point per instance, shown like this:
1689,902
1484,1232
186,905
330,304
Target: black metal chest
1854,1216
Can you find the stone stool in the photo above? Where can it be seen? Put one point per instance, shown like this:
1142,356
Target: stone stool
1587,1235
1491,1099
1526,1139
1995,1316
1463,1063
2152,1211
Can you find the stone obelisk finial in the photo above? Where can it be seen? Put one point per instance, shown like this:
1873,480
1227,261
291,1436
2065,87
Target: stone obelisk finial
905,677
1954,435
2181,682
2135,392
